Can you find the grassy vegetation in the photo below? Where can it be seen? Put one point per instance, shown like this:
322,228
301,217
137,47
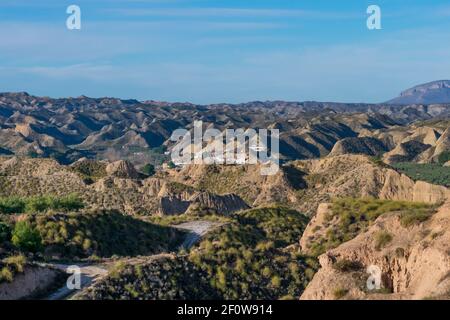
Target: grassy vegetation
245,259
222,180
378,161
339,293
18,205
347,266
382,239
444,157
11,266
431,172
148,169
102,234
26,238
280,225
180,280
355,215
5,232
90,170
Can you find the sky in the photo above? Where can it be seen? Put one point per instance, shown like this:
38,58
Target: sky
223,50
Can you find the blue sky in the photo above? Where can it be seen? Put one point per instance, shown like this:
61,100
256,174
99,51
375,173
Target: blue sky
223,50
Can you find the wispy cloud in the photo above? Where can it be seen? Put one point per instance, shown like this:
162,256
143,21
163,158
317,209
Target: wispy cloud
230,12
377,71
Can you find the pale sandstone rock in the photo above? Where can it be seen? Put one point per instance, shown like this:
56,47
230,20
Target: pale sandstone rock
420,271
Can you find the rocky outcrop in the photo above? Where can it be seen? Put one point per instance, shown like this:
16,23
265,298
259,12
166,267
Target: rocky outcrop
245,181
316,228
443,144
406,152
122,169
399,187
358,176
202,202
359,145
173,206
223,204
414,263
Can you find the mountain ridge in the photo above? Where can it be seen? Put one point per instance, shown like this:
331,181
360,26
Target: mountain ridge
435,92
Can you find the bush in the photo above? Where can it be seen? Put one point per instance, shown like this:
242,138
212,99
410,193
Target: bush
347,266
247,259
25,237
16,262
11,266
340,293
5,232
16,205
12,205
148,169
6,275
415,217
444,157
430,172
382,239
103,233
356,215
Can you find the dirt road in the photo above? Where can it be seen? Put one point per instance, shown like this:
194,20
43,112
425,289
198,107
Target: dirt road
90,273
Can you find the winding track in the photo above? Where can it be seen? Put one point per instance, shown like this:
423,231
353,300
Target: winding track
91,273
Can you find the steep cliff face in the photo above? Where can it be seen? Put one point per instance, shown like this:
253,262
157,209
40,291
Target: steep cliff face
245,181
122,169
225,204
359,145
202,202
358,176
399,187
413,261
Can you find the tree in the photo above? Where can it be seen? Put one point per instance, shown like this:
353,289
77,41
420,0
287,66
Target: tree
25,237
148,169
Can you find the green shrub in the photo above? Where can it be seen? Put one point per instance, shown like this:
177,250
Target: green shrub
16,205
410,218
148,169
16,262
25,237
12,205
247,259
382,239
5,232
444,157
339,293
103,234
6,275
347,266
356,215
430,172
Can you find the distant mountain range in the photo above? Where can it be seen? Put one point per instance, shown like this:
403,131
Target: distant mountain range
429,93
107,128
